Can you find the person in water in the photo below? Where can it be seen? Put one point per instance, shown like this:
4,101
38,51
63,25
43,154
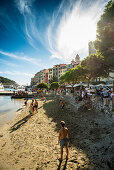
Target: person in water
63,140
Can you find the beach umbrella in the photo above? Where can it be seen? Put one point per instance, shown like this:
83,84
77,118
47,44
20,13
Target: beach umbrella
76,85
109,85
100,85
68,86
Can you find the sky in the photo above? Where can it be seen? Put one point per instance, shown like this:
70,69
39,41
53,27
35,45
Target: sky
37,34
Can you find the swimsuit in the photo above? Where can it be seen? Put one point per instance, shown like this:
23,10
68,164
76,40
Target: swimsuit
63,142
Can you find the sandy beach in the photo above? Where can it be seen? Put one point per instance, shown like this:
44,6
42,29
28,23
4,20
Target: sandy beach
32,143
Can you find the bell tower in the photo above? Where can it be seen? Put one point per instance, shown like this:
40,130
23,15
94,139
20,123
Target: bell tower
77,59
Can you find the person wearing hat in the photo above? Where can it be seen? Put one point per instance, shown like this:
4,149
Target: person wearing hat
63,140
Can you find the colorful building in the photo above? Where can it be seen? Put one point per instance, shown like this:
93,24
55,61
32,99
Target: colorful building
48,74
45,76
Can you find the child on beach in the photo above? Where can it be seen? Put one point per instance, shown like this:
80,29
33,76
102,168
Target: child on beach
62,105
25,103
63,140
31,109
35,105
44,100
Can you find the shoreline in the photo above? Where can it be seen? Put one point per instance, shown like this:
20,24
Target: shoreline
9,109
33,144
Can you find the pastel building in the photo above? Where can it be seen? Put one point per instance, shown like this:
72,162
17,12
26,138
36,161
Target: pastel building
62,68
45,75
55,70
50,74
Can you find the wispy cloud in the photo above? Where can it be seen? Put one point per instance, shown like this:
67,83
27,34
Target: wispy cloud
19,57
16,73
76,27
31,28
8,63
72,27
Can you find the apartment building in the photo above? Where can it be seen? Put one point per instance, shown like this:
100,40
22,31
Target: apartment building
50,74
62,69
47,74
55,70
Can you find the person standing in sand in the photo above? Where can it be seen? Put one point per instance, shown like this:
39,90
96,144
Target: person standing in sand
31,109
35,105
26,102
63,140
61,105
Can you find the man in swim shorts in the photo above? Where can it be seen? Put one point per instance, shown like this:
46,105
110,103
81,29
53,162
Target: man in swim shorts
63,140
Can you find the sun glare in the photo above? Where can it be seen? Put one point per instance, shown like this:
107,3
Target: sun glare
75,32
77,27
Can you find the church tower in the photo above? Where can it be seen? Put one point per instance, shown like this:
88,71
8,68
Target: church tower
77,59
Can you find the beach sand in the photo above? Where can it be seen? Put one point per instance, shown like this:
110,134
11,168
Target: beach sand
32,143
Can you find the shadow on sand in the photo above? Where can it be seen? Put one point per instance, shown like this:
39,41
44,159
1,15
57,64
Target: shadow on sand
22,121
19,123
65,165
84,135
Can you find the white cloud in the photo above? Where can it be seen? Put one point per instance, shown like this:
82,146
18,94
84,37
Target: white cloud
8,63
76,28
71,28
23,58
31,30
17,73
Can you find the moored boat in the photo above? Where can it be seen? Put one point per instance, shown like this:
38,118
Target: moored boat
20,96
1,87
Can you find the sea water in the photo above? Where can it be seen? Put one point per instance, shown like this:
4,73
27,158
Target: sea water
8,108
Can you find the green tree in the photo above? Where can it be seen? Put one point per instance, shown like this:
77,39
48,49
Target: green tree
104,43
42,86
54,79
79,73
54,85
7,81
93,67
73,75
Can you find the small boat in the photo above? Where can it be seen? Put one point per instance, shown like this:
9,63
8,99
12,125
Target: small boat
19,96
1,87
21,88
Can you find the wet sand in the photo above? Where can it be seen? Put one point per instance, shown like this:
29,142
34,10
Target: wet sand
32,143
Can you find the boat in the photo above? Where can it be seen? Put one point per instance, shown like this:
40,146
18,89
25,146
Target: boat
21,88
1,87
22,95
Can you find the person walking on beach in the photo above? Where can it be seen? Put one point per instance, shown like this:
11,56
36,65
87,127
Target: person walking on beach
62,105
26,102
44,100
31,109
63,140
35,105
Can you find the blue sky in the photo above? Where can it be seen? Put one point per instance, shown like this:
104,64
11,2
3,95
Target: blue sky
36,34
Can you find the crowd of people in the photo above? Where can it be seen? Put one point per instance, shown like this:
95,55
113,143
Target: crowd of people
86,94
105,95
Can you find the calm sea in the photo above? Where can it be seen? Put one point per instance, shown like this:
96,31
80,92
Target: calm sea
8,108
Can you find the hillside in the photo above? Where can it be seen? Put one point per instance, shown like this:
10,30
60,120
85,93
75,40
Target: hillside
6,81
